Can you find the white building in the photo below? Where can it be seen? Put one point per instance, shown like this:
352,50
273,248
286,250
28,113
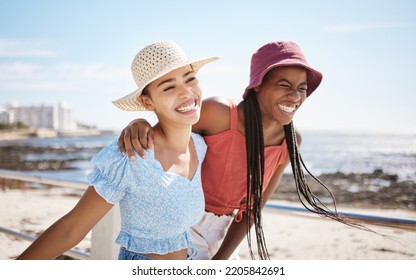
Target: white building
4,115
58,117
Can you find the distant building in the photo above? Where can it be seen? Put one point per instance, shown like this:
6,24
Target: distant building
4,115
58,117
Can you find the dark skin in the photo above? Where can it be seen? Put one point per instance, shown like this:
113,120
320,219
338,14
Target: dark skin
283,86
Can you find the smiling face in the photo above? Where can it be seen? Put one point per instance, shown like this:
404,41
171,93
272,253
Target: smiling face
282,92
175,96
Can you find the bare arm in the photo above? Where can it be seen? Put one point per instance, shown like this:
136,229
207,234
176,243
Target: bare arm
69,230
138,134
215,117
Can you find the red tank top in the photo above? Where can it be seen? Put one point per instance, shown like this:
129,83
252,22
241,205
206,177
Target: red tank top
224,169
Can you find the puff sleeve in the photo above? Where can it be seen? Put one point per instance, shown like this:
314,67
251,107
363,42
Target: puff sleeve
109,169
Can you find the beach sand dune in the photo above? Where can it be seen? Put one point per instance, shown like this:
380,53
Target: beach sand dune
289,235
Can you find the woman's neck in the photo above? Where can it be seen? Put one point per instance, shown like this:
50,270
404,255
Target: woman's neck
175,151
175,138
273,133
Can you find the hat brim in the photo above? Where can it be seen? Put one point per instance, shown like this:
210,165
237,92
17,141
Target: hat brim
131,101
314,77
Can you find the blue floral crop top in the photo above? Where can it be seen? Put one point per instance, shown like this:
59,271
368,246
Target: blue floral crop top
157,208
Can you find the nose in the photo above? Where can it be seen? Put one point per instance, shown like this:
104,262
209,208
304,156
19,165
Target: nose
295,95
185,92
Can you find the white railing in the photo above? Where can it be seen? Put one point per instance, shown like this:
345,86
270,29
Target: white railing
102,235
105,232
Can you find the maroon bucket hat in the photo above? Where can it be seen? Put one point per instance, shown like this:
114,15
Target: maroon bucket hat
276,54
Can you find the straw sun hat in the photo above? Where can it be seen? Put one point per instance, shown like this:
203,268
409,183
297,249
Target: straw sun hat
151,63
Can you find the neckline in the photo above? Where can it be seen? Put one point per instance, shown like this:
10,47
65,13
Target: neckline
151,153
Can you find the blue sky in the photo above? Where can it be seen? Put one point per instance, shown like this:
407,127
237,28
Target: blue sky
80,52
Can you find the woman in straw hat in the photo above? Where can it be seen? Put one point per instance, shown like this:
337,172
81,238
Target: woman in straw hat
249,147
160,197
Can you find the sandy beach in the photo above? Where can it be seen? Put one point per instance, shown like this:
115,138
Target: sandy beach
31,208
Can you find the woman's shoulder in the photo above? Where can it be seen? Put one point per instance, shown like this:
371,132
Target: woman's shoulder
109,171
110,153
215,116
111,148
111,163
198,141
219,104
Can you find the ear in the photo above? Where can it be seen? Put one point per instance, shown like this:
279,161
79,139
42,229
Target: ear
256,89
147,102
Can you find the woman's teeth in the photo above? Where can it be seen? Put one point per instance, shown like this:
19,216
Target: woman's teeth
289,109
186,108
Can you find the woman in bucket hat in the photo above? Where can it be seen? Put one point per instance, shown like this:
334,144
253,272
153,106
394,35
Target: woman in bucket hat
160,197
249,147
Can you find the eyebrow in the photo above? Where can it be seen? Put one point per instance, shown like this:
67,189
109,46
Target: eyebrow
171,80
287,81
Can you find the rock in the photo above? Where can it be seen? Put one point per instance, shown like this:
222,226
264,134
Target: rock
370,190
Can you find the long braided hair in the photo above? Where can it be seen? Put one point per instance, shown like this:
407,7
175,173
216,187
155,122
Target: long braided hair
255,172
255,175
308,199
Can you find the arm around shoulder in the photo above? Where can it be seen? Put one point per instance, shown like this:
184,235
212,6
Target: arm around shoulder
215,116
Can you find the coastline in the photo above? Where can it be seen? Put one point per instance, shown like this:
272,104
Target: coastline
28,133
289,234
376,190
374,187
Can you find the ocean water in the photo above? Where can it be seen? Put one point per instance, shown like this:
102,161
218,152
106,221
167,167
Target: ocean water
321,152
360,153
79,151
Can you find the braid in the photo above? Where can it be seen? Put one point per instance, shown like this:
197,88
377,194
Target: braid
255,173
304,192
255,176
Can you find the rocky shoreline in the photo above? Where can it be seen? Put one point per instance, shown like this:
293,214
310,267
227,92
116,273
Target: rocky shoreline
359,190
16,157
365,190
